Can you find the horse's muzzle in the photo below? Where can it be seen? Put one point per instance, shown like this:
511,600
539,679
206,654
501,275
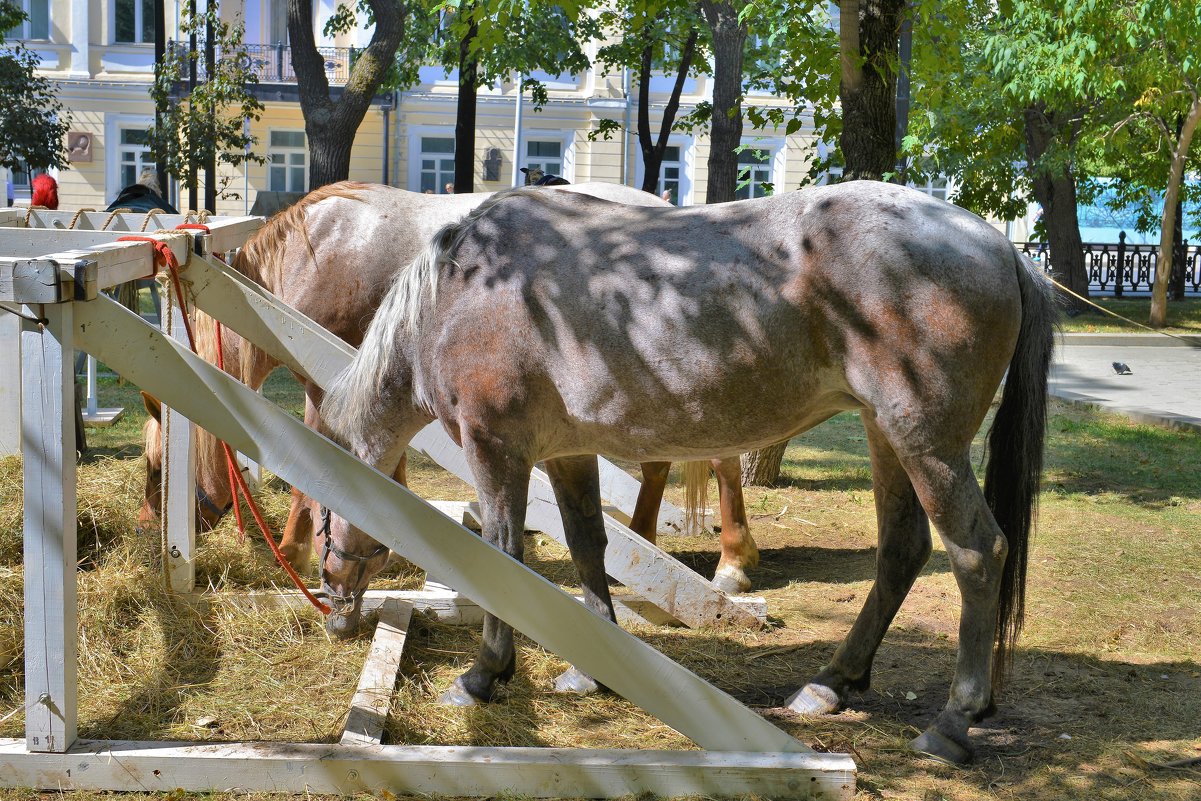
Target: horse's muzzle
346,613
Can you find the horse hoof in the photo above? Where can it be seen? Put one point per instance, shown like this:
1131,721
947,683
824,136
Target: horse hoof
934,743
576,681
730,580
813,699
457,695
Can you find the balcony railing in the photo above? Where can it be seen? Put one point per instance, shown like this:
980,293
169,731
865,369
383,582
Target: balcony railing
273,63
1121,268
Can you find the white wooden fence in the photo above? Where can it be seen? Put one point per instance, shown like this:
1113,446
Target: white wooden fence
745,754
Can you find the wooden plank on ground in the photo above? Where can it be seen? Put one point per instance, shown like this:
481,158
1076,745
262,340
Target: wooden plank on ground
645,568
48,465
369,705
373,502
412,770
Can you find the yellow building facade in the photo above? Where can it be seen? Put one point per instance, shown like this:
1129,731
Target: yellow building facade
101,57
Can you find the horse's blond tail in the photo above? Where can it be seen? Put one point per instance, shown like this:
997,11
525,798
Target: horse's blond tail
696,496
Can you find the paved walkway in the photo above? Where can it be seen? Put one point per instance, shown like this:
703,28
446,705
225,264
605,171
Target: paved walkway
1164,387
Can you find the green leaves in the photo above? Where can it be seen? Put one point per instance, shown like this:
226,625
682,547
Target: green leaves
208,123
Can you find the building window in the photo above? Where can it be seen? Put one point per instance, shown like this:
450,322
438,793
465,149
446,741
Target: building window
754,174
670,171
134,21
37,24
133,156
546,155
22,179
287,162
935,186
437,163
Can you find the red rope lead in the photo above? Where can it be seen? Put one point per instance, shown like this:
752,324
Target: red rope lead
283,562
164,256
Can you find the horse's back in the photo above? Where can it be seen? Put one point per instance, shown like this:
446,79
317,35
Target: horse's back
805,303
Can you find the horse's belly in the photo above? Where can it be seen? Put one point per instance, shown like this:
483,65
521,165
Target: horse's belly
678,401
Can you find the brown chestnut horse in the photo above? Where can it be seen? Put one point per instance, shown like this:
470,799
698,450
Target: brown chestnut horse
553,329
332,257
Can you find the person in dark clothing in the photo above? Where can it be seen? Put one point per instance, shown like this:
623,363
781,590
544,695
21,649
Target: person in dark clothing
143,196
538,177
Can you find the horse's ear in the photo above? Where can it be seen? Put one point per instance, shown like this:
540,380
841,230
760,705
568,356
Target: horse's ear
153,407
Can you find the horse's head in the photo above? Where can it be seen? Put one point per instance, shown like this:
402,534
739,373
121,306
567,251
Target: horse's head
213,496
349,560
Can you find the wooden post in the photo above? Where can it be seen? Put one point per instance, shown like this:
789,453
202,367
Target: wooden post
179,475
48,451
10,384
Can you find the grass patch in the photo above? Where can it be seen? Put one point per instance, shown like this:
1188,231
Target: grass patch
1108,657
1184,317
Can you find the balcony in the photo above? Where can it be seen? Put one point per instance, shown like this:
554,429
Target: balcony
272,64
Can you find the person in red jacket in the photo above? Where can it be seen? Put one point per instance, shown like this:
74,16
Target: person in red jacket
45,192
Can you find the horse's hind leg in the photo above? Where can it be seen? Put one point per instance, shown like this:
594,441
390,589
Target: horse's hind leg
904,547
502,482
738,551
977,549
576,482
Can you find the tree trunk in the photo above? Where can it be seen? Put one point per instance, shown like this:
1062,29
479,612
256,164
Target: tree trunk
329,152
465,113
761,468
1055,191
725,128
652,151
1176,284
330,126
210,163
1159,291
868,87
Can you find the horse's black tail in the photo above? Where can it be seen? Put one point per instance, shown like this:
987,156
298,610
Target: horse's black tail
1015,444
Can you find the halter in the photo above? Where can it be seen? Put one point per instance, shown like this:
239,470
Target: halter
209,505
342,604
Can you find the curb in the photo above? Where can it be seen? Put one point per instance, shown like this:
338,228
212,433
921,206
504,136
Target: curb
1130,340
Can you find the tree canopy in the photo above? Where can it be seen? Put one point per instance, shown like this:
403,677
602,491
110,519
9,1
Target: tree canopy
33,123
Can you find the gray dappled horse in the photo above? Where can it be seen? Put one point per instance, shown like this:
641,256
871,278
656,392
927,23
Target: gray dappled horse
333,256
541,329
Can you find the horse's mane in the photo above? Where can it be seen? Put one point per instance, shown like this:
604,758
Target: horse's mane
351,398
263,258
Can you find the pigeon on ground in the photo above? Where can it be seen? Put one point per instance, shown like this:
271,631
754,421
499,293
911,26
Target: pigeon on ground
1122,369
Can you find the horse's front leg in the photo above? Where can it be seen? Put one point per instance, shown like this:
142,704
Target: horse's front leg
645,519
296,543
576,481
738,550
502,484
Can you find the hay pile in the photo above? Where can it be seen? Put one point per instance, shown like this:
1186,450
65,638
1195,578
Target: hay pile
154,665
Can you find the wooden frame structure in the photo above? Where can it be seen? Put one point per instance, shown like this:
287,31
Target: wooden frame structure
61,307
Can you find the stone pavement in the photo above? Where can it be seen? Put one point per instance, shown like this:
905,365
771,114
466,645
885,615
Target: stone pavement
1164,387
